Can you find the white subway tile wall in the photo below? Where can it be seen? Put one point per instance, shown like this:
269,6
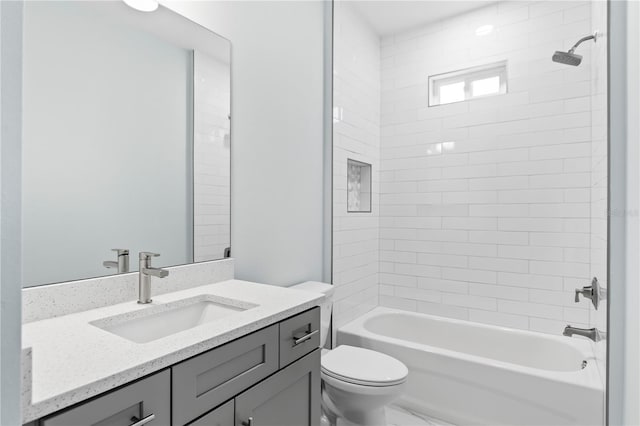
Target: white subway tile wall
599,173
356,135
211,159
491,210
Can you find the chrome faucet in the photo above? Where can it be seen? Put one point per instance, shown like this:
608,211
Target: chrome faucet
591,333
122,262
145,274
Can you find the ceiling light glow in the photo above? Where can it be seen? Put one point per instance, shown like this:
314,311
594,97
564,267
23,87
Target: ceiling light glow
142,5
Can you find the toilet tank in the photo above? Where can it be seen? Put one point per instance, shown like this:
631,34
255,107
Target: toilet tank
326,306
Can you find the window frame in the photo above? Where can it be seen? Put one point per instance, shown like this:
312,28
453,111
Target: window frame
468,76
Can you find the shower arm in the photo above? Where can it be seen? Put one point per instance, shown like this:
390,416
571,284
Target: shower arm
582,40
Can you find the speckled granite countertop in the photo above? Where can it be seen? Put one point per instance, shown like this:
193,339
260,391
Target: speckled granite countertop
73,360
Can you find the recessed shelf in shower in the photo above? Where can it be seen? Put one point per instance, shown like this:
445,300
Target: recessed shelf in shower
358,187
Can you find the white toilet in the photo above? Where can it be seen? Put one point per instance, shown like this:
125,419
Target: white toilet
357,383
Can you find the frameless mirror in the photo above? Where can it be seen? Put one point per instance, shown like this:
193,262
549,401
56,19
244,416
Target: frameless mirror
126,140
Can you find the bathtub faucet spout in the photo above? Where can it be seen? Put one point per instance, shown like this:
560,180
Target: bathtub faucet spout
591,333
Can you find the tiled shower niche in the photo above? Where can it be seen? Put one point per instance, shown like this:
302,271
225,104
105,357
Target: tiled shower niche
358,187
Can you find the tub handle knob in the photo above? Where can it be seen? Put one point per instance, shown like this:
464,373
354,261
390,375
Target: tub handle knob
583,292
593,292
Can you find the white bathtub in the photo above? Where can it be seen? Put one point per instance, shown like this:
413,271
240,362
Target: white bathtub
474,374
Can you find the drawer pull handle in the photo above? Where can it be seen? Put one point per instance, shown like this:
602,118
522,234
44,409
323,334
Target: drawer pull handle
143,421
249,422
298,338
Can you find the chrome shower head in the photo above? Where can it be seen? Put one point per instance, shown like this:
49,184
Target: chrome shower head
567,58
570,58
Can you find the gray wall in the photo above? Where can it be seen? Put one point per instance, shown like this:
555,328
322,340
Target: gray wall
624,203
10,159
277,134
279,121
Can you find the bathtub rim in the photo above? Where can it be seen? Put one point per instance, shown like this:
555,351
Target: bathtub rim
588,377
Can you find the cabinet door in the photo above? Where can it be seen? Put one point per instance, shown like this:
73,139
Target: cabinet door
145,402
291,397
221,416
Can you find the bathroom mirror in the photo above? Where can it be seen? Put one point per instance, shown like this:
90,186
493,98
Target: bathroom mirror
126,139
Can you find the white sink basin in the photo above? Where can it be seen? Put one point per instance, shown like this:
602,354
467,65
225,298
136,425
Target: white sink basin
156,322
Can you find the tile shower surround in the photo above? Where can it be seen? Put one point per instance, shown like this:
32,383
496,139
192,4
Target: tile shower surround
485,205
485,210
599,174
356,136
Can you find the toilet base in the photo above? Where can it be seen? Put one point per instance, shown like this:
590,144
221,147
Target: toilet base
324,421
331,416
371,418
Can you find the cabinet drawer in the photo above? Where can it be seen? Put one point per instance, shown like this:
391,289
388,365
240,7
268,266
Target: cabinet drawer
125,406
299,335
221,416
207,380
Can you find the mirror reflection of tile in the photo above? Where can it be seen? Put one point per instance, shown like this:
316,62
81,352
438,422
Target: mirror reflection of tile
358,186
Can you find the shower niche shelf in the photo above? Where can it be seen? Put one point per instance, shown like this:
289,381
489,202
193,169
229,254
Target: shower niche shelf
358,187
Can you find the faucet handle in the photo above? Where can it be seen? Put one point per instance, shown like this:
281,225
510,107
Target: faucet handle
585,291
121,252
593,292
144,255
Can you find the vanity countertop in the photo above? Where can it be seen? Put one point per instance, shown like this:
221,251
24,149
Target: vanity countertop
73,360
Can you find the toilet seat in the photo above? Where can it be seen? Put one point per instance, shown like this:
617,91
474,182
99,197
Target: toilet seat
361,390
363,367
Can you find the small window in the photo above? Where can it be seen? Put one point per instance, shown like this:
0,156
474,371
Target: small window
470,83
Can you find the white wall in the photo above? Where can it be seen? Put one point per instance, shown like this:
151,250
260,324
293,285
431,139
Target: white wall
277,127
88,185
495,229
356,136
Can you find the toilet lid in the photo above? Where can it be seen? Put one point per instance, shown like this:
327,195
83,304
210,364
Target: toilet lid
363,366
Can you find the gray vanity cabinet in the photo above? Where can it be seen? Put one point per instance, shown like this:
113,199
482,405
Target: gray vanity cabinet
147,401
221,416
288,398
270,377
299,335
207,380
